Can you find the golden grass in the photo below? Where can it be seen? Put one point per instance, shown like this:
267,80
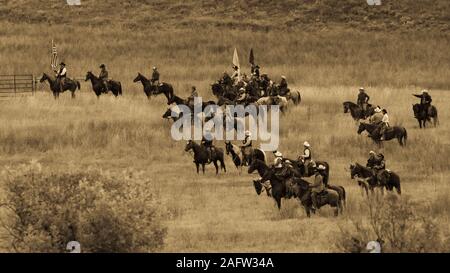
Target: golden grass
224,213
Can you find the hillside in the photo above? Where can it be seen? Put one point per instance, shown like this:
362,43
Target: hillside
251,14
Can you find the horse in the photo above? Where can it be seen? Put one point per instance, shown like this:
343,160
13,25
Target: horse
294,96
174,109
388,179
397,132
69,84
274,100
177,100
201,156
261,167
364,172
277,185
235,152
98,87
302,191
356,111
150,89
422,116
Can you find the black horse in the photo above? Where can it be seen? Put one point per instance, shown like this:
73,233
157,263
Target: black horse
397,132
385,179
422,116
69,84
201,156
97,85
356,111
234,152
277,185
220,90
177,100
302,191
150,89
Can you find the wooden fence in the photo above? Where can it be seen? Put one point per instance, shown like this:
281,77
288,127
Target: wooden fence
17,85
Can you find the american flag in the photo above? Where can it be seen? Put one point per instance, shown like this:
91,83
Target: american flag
54,61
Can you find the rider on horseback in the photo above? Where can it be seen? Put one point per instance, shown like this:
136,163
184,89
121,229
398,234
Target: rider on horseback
226,79
425,101
377,117
155,78
376,163
384,124
306,157
207,142
318,186
190,99
61,75
363,99
255,70
283,87
246,147
104,77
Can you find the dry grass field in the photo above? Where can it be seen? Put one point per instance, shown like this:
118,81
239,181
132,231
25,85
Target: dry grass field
223,213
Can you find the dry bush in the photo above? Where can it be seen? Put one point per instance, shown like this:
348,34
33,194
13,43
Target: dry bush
42,212
395,222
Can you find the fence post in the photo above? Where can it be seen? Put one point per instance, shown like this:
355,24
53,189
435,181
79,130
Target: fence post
32,84
14,83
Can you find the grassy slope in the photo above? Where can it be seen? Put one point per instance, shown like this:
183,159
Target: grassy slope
224,213
255,14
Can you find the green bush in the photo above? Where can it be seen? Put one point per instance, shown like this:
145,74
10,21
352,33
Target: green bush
42,212
394,222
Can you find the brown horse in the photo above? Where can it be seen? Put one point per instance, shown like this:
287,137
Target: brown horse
151,89
69,84
201,156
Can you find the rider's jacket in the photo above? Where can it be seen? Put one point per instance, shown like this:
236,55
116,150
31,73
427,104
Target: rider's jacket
103,75
155,76
317,185
62,73
363,98
424,98
307,154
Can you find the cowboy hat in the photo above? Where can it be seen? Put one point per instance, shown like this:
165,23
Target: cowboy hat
278,154
306,143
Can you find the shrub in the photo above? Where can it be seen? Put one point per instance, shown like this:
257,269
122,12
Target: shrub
394,222
42,212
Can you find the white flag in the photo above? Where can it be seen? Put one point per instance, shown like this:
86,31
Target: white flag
236,63
54,60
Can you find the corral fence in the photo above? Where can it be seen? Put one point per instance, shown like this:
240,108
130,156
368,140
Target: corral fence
17,85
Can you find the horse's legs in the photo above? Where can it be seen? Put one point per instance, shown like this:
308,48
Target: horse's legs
197,165
73,94
203,168
216,166
222,165
278,200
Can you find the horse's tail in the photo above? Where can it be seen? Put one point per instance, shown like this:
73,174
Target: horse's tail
298,99
78,85
436,119
344,196
120,88
405,136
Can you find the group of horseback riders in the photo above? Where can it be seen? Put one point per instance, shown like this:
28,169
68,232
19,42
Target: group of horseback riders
61,77
380,116
242,88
